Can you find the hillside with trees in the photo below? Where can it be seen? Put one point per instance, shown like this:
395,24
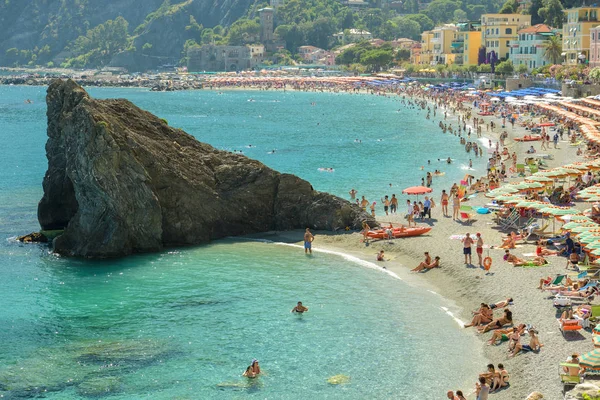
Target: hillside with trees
143,34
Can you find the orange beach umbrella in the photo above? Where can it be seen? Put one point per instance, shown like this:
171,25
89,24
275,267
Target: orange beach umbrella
417,190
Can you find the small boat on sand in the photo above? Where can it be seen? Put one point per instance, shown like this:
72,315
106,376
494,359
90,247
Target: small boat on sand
399,232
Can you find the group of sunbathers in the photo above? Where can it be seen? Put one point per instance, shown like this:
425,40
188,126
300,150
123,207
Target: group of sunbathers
427,264
519,262
483,318
493,378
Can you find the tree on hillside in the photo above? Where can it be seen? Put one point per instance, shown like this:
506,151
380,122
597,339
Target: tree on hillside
460,16
552,13
408,28
243,31
377,59
294,36
424,21
510,7
533,11
442,10
411,6
553,49
320,32
595,75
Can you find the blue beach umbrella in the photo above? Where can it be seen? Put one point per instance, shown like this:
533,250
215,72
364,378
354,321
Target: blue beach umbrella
591,359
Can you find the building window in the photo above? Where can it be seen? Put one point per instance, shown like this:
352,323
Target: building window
497,31
497,43
508,31
508,43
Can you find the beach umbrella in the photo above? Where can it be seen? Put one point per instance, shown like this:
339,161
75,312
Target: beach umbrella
596,341
570,225
595,252
576,166
591,359
417,190
576,217
582,228
539,178
588,238
509,198
596,330
557,211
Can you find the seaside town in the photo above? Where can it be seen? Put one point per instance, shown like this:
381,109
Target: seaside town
516,248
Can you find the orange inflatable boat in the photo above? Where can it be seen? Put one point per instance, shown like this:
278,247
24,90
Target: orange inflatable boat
399,232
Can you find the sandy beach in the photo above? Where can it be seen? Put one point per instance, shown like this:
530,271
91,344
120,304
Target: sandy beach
469,286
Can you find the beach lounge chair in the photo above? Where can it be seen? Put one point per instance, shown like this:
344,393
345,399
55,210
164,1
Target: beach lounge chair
569,380
521,169
595,313
569,325
510,222
540,232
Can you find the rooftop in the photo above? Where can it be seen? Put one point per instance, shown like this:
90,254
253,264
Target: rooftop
539,28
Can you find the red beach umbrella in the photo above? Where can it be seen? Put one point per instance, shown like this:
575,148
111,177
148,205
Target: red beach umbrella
417,190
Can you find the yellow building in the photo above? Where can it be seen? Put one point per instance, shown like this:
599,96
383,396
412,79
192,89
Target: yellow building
467,42
423,54
576,33
443,36
497,31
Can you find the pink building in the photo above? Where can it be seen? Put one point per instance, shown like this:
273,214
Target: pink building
315,55
595,47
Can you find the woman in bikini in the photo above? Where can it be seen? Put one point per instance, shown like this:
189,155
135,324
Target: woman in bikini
498,323
503,334
483,316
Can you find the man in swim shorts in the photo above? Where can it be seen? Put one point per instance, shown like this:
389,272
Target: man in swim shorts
364,203
352,194
467,243
393,204
386,204
479,248
308,239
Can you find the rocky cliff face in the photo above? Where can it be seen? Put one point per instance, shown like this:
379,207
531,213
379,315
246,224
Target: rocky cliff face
120,181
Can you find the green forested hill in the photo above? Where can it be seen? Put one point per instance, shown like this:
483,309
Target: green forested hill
142,34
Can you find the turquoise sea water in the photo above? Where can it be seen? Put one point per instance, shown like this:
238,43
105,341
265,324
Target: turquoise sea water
185,323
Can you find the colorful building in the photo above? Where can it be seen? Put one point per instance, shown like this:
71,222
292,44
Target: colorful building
595,47
498,30
443,36
576,33
467,42
423,55
528,48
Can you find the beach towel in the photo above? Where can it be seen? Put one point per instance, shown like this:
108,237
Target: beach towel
460,237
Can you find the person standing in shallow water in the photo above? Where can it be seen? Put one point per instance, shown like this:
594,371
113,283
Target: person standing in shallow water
308,239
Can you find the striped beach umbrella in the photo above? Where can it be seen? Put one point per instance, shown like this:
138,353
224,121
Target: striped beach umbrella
558,211
540,178
591,359
593,245
583,228
570,225
576,217
596,341
595,252
596,330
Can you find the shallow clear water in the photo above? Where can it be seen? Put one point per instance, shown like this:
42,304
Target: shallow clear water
186,322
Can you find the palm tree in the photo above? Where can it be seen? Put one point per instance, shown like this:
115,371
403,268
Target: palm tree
553,49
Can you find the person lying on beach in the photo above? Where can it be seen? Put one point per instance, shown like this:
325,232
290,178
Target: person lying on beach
498,323
511,258
547,281
503,334
482,316
534,344
502,304
501,379
569,285
538,261
422,266
586,293
584,311
541,250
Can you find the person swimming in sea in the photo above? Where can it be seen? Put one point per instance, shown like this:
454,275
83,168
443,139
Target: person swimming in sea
449,160
249,372
299,308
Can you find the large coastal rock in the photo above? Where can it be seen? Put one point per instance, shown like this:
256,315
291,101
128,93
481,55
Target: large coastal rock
121,181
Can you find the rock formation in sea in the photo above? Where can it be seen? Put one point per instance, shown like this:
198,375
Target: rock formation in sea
121,181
